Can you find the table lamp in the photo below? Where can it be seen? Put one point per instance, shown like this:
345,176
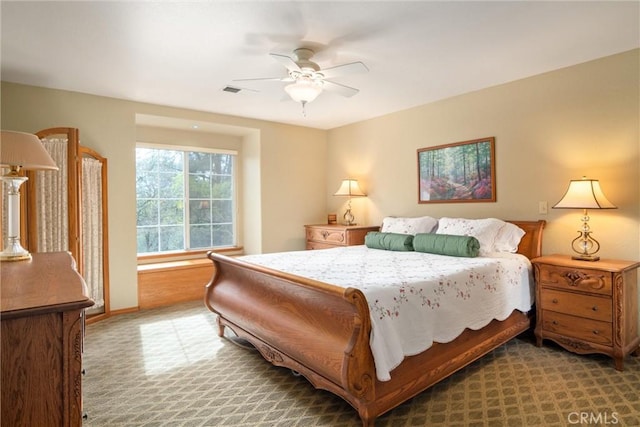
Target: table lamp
19,150
349,188
584,194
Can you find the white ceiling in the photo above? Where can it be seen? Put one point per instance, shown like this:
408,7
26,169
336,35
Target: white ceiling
183,53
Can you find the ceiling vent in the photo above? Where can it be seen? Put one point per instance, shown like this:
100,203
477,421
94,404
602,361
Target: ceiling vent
231,89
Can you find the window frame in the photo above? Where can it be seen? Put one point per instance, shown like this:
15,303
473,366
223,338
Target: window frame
166,255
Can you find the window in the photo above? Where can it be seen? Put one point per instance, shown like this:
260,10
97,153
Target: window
185,199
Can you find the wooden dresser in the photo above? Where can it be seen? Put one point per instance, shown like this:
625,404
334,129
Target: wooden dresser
323,236
588,307
42,326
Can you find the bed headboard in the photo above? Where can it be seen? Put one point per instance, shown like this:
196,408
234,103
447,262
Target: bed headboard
531,243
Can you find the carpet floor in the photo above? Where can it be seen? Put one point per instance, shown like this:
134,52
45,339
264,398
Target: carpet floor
168,367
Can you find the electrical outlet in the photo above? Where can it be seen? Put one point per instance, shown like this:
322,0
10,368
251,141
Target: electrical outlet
542,208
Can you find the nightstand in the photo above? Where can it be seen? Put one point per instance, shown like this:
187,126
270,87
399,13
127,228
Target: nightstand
323,236
588,307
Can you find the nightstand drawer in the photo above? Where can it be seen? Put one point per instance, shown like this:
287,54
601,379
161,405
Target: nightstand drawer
590,307
319,245
576,279
336,236
584,329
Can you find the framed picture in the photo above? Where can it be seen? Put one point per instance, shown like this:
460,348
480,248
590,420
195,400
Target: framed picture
459,172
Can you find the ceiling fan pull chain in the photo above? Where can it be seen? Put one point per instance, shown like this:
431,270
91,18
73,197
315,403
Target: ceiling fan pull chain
304,111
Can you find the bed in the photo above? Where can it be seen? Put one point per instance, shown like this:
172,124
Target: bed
322,331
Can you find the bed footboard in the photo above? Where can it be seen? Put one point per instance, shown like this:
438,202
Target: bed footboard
285,317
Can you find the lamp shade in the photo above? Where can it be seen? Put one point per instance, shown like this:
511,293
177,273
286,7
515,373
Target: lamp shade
24,150
349,187
584,194
304,90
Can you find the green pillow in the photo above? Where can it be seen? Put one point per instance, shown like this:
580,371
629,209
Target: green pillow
388,241
446,244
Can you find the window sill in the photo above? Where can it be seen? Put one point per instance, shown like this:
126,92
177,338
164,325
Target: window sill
184,256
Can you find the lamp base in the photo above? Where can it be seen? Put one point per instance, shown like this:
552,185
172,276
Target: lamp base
585,245
348,217
14,251
586,257
14,256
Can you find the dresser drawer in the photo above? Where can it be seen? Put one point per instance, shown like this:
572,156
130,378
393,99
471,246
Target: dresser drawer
589,330
576,279
588,306
335,236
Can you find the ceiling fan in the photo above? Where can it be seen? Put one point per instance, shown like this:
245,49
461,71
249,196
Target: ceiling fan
308,80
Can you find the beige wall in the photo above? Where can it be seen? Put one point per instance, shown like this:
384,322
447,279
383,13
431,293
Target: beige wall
277,206
551,128
582,120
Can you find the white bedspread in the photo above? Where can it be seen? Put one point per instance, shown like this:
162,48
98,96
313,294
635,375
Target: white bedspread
416,299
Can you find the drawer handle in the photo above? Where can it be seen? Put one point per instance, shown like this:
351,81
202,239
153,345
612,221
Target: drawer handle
594,308
324,233
554,322
555,300
575,277
596,332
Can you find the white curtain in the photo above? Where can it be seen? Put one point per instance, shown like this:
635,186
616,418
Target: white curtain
52,204
92,228
52,200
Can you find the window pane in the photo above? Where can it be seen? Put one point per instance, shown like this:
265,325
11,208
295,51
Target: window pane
199,212
171,212
171,238
199,186
170,160
199,162
171,185
222,164
223,235
222,211
147,212
148,239
222,186
200,236
146,159
146,184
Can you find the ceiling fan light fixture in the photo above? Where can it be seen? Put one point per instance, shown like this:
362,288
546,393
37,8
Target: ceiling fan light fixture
304,90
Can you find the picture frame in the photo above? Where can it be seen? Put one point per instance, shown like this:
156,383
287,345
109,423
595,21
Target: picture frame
460,172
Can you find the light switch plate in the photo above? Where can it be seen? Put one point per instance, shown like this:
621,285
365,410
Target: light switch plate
542,208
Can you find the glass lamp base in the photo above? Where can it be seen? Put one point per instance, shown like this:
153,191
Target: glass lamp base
15,257
349,218
14,251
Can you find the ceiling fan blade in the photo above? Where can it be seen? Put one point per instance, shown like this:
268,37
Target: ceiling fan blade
289,63
339,89
266,79
341,70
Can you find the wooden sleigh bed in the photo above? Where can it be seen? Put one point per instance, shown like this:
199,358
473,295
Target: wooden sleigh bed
322,331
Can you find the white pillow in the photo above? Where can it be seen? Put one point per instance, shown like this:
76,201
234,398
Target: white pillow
485,230
508,238
413,226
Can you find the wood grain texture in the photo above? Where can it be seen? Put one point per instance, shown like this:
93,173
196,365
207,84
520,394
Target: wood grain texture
322,331
43,301
588,307
167,283
324,236
32,352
